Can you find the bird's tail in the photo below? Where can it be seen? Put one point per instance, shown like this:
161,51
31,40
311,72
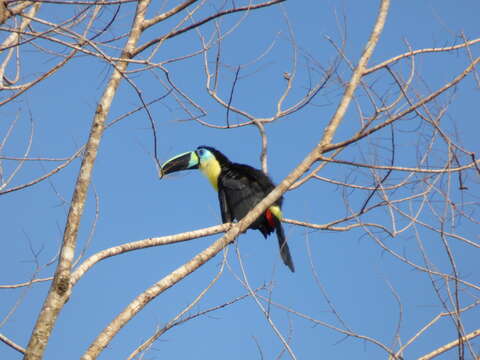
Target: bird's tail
282,243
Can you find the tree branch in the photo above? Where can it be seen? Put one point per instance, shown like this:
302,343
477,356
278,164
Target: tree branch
450,345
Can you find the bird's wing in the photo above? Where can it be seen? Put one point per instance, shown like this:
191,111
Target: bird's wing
256,175
245,187
224,209
242,192
261,179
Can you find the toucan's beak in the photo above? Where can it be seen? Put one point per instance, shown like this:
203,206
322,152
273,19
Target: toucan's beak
185,161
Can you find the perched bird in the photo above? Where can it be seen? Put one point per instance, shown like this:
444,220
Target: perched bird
240,187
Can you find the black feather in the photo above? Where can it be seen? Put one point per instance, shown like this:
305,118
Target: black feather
283,245
240,188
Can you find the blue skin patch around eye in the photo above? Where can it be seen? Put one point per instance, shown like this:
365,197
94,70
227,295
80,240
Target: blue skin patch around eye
204,155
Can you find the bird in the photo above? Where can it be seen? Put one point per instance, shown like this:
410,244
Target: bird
240,187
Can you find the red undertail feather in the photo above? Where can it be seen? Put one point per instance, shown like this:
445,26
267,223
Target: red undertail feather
270,218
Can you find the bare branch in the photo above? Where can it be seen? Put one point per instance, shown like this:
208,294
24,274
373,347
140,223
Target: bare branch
143,244
10,343
450,345
420,51
172,34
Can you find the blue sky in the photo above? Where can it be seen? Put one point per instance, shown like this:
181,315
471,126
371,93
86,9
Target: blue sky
365,283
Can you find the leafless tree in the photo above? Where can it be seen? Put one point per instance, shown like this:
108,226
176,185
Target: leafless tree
404,171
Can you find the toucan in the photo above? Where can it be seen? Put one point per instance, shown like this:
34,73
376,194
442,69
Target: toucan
240,187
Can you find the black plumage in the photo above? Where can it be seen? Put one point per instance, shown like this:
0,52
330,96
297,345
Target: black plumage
240,188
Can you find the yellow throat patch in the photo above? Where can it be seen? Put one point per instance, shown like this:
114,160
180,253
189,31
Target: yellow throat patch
211,169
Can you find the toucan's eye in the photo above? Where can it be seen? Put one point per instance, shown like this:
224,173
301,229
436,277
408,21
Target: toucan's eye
201,152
